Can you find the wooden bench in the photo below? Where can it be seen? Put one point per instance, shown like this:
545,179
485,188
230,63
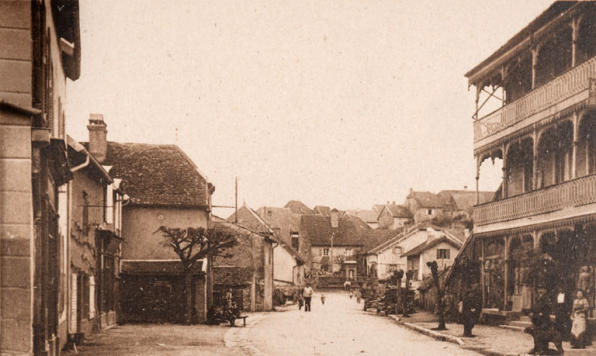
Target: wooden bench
243,319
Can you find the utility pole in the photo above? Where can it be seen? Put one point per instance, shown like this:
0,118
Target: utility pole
236,204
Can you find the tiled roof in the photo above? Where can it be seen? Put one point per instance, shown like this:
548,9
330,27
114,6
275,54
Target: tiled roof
231,276
428,245
158,267
369,216
322,210
157,175
466,199
281,220
378,208
556,9
399,211
427,199
377,237
249,219
299,207
350,232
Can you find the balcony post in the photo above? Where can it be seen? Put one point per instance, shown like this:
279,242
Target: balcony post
478,163
482,277
505,175
506,272
574,33
534,62
535,159
575,144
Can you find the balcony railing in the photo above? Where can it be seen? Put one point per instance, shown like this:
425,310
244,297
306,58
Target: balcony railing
560,88
572,193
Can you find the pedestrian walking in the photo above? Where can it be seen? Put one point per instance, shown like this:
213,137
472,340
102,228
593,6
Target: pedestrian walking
308,292
358,295
351,294
323,298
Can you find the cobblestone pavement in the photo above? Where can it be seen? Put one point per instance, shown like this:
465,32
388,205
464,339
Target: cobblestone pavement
340,327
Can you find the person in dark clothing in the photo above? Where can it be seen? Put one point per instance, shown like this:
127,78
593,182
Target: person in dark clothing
542,329
471,308
563,307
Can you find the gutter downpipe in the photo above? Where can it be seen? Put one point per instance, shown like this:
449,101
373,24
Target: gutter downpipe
82,165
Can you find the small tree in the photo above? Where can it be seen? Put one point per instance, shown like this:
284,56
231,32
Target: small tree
434,268
193,244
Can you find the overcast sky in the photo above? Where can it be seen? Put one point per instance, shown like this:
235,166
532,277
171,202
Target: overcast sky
345,103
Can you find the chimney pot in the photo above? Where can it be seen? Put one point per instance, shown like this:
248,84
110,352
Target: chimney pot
98,144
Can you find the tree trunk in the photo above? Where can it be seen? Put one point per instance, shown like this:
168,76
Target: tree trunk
188,290
440,306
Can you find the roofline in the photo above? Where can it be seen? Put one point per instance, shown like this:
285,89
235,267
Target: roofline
510,46
79,148
431,244
170,206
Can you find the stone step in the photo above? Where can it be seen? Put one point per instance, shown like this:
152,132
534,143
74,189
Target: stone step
512,327
520,323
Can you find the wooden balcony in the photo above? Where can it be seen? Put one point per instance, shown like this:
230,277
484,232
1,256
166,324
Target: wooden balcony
573,193
565,86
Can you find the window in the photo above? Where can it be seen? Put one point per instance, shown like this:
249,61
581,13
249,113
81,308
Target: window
392,268
91,297
429,211
325,252
349,252
295,241
108,204
85,213
443,254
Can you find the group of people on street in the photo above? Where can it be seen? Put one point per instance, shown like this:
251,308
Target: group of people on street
305,297
571,320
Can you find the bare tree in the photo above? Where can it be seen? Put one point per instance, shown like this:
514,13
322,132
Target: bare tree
193,244
434,268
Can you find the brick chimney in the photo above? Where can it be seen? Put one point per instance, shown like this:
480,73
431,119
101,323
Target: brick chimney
334,218
98,144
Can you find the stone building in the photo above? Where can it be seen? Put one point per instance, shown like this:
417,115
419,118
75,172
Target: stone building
165,189
39,49
246,269
94,213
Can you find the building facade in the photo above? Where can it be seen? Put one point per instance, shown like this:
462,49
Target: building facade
39,49
165,188
94,213
543,133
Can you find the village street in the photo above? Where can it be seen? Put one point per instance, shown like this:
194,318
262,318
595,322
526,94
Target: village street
340,327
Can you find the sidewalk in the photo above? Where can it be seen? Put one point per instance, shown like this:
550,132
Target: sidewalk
164,339
489,340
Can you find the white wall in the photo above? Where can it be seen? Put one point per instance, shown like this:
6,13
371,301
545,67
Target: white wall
284,264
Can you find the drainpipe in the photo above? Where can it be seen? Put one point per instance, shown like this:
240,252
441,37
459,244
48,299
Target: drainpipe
82,165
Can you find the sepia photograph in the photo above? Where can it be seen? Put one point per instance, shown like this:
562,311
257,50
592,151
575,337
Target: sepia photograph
297,178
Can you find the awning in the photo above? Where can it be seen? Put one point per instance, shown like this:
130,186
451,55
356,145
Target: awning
163,267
